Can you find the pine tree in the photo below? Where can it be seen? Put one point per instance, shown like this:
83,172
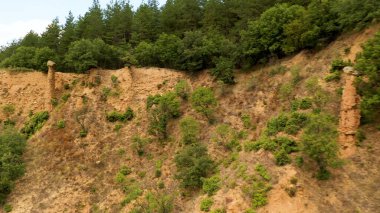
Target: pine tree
68,34
50,38
91,25
118,23
146,22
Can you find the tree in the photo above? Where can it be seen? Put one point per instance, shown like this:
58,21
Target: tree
179,16
319,143
118,23
68,34
42,56
31,39
146,22
91,25
369,83
50,38
169,49
85,54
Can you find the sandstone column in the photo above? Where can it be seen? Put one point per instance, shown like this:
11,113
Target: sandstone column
51,81
349,121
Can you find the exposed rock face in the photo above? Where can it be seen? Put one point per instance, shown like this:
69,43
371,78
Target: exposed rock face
51,79
349,110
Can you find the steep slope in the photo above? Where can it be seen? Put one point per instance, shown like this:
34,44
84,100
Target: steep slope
67,173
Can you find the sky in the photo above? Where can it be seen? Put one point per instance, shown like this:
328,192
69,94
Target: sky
18,17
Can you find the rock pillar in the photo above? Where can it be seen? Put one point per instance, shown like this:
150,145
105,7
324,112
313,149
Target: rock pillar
51,81
349,121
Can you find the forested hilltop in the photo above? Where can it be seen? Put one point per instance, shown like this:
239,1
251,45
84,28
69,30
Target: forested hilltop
189,35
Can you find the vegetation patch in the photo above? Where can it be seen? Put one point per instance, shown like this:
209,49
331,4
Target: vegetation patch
12,146
35,123
122,117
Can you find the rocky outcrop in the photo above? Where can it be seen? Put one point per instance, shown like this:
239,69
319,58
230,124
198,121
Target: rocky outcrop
51,79
349,109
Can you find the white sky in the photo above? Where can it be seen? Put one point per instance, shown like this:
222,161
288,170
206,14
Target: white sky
18,17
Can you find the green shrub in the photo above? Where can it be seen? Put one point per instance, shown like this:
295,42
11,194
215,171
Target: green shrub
368,84
83,133
319,142
262,172
335,76
280,69
12,146
7,208
35,123
114,80
193,163
8,110
360,137
61,124
190,130
158,202
282,157
211,185
65,97
54,102
182,89
166,107
285,91
277,124
132,192
138,144
206,204
305,103
223,70
226,136
258,193
204,101
117,116
246,119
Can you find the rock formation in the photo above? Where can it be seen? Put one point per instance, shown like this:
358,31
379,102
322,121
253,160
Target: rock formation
349,110
51,79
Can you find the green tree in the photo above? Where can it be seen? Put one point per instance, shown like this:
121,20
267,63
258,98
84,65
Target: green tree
169,49
68,34
50,38
91,25
369,83
146,22
118,23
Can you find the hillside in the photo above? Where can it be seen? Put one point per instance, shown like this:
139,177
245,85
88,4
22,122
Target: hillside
68,173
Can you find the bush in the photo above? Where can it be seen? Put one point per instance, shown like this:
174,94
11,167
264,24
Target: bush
204,101
206,204
166,107
190,130
8,110
66,97
12,146
258,193
138,144
193,163
226,137
223,70
211,185
61,124
282,157
246,119
319,142
262,172
182,89
117,116
35,123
